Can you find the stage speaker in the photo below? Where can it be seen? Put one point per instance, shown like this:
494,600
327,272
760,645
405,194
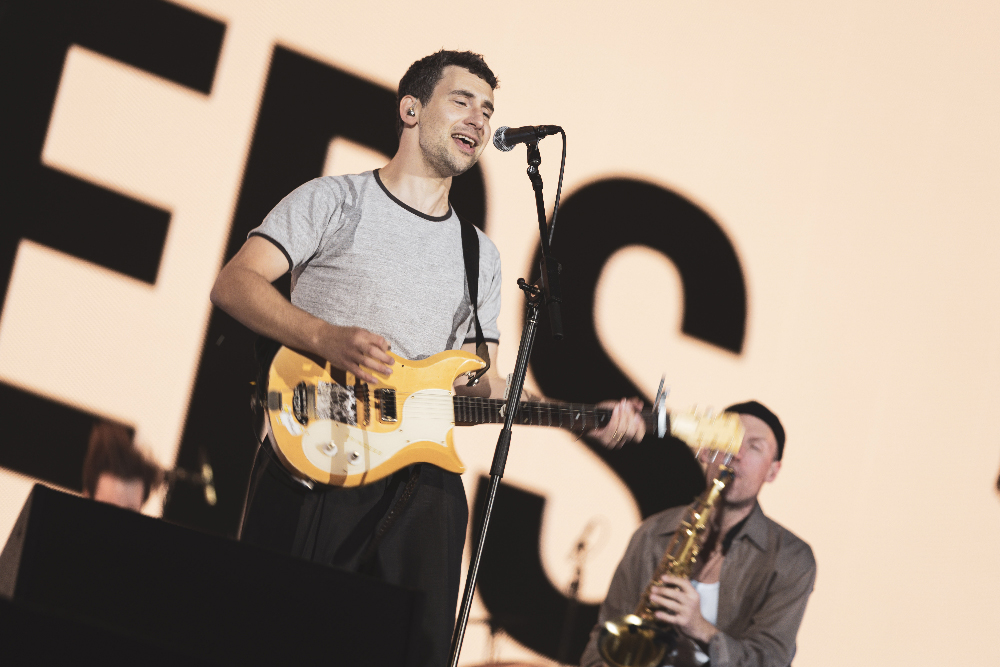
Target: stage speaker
32,637
73,562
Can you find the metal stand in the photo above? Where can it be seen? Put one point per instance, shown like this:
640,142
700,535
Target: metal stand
573,595
548,294
549,267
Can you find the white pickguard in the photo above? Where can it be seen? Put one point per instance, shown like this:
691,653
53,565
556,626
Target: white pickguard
426,416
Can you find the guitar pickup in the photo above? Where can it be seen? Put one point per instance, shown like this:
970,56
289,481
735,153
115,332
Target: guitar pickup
303,403
386,400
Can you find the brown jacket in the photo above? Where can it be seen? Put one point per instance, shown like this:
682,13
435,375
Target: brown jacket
766,579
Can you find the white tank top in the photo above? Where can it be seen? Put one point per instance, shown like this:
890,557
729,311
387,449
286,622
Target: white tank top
709,594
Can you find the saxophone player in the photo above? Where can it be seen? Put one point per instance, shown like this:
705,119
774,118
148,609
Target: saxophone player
749,585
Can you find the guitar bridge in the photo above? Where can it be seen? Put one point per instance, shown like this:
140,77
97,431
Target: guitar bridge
386,401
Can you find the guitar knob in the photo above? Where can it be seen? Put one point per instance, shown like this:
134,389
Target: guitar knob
330,449
355,457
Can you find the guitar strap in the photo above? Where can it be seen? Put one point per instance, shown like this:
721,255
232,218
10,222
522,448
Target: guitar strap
470,251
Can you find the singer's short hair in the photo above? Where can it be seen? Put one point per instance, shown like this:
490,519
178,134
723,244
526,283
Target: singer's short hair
423,75
111,450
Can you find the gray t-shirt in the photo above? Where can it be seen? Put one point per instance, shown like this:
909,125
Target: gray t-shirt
360,257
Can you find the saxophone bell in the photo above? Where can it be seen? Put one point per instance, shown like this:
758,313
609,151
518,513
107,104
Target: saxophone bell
632,641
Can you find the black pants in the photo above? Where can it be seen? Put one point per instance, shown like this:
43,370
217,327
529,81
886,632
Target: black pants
407,529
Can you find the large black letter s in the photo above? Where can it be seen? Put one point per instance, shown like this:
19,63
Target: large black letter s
594,223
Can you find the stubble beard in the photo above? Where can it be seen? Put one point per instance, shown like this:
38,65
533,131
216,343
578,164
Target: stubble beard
442,160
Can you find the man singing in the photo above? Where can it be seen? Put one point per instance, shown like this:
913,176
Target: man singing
377,263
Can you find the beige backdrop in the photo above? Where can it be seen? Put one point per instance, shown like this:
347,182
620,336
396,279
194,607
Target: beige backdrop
850,151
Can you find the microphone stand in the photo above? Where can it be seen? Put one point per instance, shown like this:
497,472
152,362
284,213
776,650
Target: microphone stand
535,297
549,269
573,599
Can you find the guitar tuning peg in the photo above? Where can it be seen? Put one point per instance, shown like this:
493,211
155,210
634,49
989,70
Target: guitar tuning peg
661,392
659,407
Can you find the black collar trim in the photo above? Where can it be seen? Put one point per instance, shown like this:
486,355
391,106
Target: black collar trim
408,208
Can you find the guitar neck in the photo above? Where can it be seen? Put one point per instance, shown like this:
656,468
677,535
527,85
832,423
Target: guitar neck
576,417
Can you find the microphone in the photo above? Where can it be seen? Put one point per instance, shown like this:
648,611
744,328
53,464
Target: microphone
507,137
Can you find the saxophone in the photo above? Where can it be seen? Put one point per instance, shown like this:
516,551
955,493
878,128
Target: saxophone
637,639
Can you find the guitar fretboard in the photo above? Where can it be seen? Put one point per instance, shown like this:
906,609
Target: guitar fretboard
577,417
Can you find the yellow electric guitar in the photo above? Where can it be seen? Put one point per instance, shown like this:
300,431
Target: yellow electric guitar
331,428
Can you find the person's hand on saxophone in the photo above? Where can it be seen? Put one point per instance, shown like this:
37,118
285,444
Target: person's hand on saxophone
679,604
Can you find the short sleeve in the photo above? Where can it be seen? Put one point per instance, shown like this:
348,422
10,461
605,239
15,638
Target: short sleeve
298,224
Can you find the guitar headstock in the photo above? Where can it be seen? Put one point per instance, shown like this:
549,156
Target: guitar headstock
722,433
